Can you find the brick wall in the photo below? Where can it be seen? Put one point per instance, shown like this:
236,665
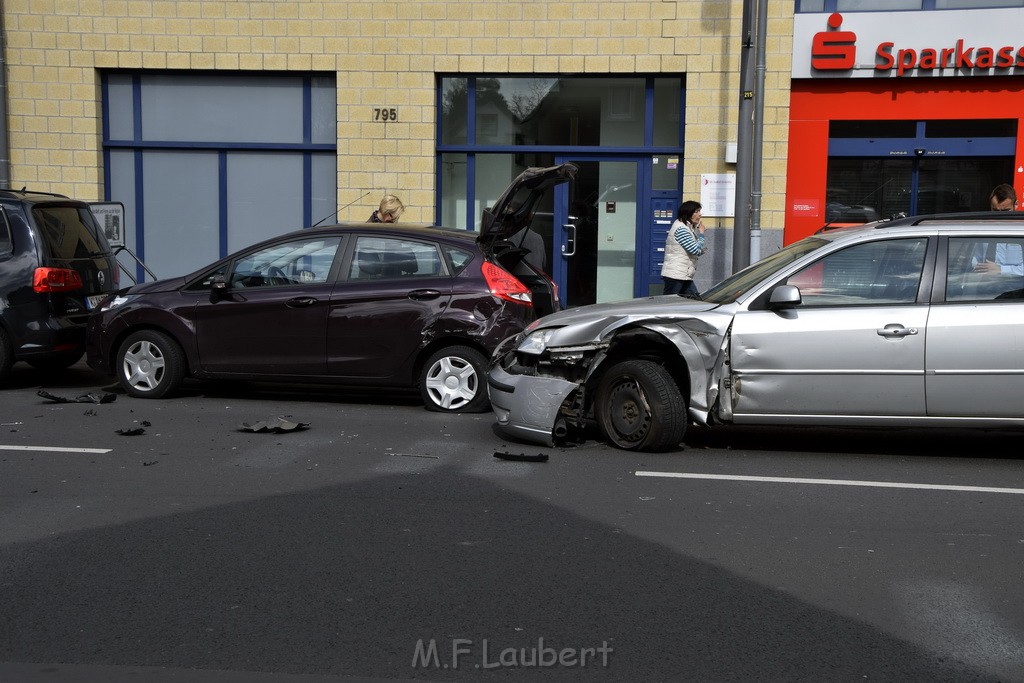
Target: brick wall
384,53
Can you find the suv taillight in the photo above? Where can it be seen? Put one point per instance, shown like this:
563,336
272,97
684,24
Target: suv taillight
504,285
55,280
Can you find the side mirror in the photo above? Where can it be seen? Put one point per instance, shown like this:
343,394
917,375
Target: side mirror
785,296
218,287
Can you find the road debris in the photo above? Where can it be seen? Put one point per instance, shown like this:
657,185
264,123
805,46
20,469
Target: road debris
84,398
276,425
131,432
522,457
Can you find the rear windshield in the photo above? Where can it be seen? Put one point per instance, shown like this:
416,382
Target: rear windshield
69,232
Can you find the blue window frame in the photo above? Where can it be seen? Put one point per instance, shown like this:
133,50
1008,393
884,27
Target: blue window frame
216,161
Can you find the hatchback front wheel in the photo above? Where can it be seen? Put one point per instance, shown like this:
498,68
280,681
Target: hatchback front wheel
150,364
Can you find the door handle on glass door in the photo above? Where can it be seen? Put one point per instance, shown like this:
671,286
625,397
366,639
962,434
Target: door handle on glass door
569,248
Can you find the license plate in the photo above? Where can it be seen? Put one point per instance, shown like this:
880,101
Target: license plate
93,301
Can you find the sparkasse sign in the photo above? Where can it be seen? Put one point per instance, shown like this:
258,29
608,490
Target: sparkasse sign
902,44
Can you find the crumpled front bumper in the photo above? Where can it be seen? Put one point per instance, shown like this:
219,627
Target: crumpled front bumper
526,406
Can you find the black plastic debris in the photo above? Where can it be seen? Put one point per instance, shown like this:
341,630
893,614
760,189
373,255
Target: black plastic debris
521,457
276,425
131,432
84,398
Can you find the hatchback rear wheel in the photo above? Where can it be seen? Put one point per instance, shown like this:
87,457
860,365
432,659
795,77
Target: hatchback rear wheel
150,364
452,380
639,407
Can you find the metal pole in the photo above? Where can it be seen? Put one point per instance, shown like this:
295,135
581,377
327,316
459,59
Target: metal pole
741,230
5,160
757,146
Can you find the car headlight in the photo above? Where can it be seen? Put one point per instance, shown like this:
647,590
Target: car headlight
116,301
535,343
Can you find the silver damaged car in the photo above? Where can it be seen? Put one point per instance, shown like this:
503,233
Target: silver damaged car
910,322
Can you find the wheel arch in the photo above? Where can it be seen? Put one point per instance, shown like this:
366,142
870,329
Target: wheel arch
642,343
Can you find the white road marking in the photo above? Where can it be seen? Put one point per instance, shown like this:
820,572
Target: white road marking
55,449
831,482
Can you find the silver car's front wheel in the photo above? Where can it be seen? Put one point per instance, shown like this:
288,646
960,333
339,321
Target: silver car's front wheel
150,364
640,408
453,381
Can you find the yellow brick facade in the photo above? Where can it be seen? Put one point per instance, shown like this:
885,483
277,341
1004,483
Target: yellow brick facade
384,54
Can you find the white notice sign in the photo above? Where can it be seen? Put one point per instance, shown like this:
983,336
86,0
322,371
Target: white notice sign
718,194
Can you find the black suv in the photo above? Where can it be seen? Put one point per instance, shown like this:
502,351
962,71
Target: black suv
55,266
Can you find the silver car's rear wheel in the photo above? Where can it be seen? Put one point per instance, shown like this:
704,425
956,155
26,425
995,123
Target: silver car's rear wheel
453,381
640,408
150,364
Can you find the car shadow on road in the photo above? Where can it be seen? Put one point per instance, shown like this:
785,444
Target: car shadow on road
351,579
990,443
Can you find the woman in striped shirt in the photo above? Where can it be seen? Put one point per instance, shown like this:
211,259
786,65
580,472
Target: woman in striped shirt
684,245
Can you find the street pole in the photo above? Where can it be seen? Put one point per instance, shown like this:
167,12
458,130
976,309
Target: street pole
757,139
744,143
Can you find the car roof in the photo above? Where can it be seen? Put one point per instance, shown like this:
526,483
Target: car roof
26,195
931,223
423,230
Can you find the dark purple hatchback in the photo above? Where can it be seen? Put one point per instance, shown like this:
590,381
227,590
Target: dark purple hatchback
382,305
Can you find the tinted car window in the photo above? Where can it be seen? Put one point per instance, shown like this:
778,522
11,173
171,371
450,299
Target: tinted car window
379,258
5,233
306,261
881,272
985,269
458,258
69,232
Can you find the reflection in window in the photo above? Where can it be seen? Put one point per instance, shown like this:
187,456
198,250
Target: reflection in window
877,273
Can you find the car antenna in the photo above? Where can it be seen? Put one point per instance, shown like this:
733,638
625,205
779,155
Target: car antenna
340,210
860,201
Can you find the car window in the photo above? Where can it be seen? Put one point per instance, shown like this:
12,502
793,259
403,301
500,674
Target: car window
384,258
5,233
736,285
458,258
873,273
299,262
985,269
69,232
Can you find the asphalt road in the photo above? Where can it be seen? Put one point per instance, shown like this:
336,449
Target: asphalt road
384,542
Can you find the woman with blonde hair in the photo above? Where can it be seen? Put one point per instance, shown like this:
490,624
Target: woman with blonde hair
391,208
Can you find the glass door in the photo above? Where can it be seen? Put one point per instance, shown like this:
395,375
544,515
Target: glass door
596,235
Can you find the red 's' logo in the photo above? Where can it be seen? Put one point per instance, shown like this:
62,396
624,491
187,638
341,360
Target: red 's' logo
834,50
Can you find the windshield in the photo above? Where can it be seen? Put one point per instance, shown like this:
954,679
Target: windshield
737,284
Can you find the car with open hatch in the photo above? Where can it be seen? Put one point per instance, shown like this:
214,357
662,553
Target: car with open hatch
357,305
911,322
55,267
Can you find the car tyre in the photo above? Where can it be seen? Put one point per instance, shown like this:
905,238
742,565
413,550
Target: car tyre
639,407
150,364
453,380
6,355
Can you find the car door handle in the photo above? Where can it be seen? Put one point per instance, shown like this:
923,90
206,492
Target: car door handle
300,302
424,294
895,330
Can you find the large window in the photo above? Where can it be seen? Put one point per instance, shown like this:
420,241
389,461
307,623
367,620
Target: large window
492,128
208,163
877,169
